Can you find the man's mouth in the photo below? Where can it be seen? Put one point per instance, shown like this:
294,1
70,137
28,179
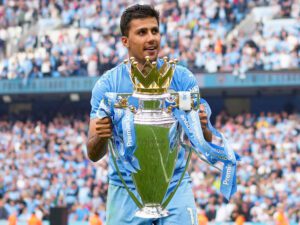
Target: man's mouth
151,51
150,48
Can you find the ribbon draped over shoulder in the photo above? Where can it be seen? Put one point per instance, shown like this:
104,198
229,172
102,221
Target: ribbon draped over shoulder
125,139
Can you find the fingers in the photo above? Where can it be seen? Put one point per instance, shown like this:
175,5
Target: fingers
105,120
104,127
203,116
202,108
203,122
101,130
103,134
202,113
203,125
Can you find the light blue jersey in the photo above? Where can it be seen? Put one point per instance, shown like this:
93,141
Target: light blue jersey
118,80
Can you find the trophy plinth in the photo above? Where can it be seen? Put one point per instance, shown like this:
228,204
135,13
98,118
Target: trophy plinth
152,212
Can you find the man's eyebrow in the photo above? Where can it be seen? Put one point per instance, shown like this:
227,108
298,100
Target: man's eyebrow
147,28
142,29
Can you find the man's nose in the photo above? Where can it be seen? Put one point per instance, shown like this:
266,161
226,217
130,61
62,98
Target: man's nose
150,37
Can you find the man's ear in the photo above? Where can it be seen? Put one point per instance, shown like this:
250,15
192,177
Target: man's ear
124,40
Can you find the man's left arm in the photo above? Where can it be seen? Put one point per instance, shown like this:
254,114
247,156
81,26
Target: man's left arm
203,119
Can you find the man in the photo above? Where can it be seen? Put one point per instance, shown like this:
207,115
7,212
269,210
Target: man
140,35
34,220
3,211
12,219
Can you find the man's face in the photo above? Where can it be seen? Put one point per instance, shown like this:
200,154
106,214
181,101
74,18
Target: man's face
143,39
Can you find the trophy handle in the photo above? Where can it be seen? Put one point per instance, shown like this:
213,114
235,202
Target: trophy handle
133,197
164,205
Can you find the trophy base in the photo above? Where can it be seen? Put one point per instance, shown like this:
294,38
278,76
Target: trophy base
152,212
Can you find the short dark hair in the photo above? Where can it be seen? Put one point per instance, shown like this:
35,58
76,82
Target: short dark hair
136,12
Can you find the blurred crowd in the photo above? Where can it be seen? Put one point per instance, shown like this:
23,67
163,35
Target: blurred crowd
268,175
86,38
45,164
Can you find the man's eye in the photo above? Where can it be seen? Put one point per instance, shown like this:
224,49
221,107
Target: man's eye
154,31
142,32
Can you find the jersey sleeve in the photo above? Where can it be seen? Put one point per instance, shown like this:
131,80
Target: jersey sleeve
187,81
101,87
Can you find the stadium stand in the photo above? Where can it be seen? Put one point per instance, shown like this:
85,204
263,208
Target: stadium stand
83,39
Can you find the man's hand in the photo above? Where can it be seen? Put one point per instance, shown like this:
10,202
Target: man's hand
203,117
203,120
100,131
103,127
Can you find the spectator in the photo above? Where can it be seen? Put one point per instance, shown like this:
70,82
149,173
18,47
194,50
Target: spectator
95,219
202,218
34,220
240,220
12,219
280,216
3,210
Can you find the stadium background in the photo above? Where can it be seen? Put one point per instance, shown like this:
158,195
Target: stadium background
244,54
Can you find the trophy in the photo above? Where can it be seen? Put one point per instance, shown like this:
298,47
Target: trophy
153,122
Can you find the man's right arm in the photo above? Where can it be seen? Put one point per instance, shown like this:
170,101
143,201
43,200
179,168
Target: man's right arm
100,130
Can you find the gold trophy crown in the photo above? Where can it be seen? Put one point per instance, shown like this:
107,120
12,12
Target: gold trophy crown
151,80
